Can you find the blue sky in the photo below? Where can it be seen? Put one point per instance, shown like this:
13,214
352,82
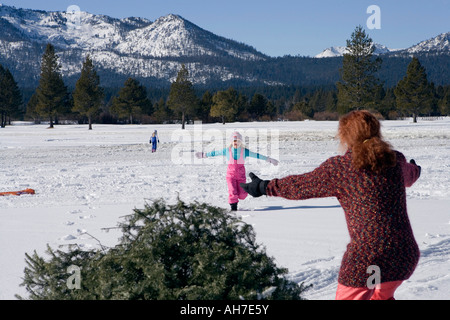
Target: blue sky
282,27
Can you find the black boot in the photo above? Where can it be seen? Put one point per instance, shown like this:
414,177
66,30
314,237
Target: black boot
233,206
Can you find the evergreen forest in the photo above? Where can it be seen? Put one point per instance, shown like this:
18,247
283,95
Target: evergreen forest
319,89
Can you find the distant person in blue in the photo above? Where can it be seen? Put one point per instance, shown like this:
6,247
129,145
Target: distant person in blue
154,140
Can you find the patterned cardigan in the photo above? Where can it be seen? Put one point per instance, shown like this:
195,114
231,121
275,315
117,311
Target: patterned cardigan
375,211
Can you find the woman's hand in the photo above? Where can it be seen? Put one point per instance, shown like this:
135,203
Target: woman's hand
257,187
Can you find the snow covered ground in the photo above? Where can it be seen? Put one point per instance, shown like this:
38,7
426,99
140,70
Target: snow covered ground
86,181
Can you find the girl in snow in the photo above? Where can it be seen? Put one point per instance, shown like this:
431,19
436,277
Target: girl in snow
154,141
369,181
236,154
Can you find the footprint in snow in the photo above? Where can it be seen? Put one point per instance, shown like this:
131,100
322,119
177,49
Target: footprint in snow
75,211
81,231
68,237
86,217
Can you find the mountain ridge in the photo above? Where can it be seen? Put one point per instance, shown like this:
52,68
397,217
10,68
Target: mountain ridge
132,46
439,43
153,51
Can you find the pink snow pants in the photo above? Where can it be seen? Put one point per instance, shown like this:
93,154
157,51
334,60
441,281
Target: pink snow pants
235,176
384,291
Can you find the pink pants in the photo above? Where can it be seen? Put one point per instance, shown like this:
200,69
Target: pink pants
235,176
384,291
235,191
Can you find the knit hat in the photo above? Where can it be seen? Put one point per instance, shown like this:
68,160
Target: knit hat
236,136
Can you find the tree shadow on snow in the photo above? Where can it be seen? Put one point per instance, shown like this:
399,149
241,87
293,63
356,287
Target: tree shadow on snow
270,208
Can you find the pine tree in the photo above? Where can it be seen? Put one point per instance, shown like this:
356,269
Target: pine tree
304,108
224,105
358,83
161,113
52,93
88,95
387,106
167,252
3,94
10,96
242,106
31,108
414,93
205,106
331,101
131,101
444,102
270,111
182,99
257,105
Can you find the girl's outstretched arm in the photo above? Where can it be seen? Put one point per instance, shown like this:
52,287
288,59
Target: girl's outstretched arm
210,154
256,155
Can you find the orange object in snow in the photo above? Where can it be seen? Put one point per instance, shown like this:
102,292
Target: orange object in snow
17,193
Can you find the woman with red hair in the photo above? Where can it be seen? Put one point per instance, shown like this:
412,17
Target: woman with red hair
369,181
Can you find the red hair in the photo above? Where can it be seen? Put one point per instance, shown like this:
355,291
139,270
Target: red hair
360,131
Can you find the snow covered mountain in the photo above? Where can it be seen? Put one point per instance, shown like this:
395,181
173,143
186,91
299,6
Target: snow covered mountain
332,52
340,50
132,46
439,44
153,51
